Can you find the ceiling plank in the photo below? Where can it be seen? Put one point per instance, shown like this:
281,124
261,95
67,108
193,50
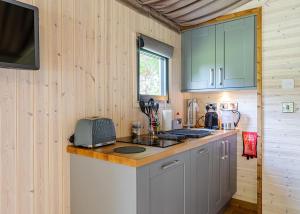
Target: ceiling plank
146,10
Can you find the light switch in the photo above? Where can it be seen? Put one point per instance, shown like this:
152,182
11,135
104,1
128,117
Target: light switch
288,107
287,83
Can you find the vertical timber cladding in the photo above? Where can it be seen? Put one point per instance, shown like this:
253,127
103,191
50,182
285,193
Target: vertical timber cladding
87,67
280,60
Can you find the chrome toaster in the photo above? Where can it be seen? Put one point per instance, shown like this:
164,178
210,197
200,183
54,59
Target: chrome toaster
94,132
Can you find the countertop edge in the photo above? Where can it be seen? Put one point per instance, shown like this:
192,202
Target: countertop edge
101,156
170,151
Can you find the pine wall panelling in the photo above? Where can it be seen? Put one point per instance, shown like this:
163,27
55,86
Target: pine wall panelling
88,66
85,61
281,60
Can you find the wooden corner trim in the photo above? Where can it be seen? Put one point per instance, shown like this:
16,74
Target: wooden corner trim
254,11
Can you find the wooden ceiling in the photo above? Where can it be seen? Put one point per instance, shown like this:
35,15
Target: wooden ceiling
182,14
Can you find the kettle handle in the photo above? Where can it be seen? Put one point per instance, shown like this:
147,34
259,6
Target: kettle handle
239,117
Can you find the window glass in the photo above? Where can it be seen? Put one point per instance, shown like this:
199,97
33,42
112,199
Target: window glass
153,75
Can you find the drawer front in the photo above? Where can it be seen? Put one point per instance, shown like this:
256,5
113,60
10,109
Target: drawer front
167,164
201,149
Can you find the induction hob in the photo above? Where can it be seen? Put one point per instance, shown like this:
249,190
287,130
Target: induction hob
147,140
165,139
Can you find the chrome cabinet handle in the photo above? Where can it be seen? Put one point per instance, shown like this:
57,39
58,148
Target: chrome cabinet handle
223,150
220,76
201,151
169,165
226,149
211,77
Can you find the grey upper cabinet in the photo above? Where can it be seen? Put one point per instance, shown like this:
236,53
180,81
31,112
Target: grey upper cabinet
203,58
201,174
198,59
186,63
221,56
235,54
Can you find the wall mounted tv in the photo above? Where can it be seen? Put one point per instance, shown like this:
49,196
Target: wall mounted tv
19,35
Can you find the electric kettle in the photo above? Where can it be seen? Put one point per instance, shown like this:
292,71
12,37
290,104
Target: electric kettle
230,119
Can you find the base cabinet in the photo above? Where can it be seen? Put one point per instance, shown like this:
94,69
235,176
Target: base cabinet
233,164
163,186
167,187
201,181
224,172
217,177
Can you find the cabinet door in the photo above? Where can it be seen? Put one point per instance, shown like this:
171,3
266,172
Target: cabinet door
186,60
235,53
229,169
225,169
167,186
233,164
200,180
216,196
202,75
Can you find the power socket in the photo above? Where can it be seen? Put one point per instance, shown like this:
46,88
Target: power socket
288,107
229,106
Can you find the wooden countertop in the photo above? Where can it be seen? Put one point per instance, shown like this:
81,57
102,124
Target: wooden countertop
151,154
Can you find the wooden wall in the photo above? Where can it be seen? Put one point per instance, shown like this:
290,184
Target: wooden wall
87,68
281,60
247,101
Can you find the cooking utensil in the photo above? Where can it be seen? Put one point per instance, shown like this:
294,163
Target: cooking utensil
151,110
156,107
144,108
151,103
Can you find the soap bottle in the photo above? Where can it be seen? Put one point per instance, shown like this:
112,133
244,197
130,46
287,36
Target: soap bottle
177,122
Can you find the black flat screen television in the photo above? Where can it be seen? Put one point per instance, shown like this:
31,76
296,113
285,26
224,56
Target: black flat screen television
19,35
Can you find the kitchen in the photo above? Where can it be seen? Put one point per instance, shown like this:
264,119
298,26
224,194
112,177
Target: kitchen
88,68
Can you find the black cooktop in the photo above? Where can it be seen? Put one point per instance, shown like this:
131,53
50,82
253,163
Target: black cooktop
189,133
147,140
165,139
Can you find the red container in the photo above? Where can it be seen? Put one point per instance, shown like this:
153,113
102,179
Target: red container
250,144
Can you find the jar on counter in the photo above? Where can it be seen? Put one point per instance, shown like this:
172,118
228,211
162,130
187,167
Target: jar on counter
136,128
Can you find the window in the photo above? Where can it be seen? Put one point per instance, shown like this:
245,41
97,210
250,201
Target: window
153,68
153,74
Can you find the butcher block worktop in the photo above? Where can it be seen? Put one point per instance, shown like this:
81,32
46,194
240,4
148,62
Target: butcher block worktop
151,154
